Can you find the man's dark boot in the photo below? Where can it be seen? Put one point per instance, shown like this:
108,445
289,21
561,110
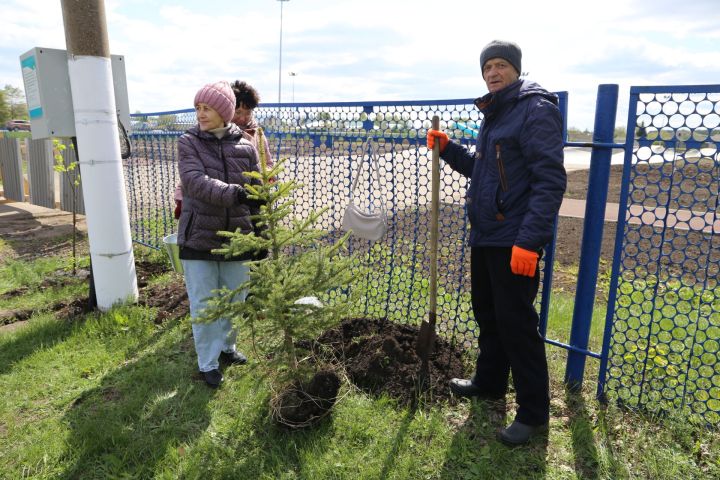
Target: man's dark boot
213,378
519,434
467,388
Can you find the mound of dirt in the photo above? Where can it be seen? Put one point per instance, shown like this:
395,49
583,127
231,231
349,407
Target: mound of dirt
380,357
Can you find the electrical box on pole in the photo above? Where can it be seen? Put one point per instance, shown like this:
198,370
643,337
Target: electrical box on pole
48,95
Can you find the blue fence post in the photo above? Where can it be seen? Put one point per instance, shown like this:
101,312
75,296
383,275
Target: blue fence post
599,175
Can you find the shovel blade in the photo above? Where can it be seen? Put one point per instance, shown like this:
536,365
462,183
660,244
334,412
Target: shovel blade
425,340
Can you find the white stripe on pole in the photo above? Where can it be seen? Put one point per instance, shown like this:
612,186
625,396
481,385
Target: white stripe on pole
102,182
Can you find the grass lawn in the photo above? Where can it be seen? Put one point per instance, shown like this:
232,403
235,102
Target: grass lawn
115,395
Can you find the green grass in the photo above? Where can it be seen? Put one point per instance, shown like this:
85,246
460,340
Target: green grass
31,280
113,395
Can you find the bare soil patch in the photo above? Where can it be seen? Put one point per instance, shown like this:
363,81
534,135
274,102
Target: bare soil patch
170,299
31,236
380,357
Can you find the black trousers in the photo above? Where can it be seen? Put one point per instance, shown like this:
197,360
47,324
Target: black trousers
509,338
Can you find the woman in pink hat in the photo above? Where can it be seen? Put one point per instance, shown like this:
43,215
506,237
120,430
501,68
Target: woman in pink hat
246,100
212,158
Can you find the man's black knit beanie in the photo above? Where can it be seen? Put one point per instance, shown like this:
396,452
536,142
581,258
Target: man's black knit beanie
501,49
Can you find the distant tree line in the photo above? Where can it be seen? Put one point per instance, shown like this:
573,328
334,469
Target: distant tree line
12,104
577,135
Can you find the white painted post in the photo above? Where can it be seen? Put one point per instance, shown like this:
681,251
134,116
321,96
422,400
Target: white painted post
96,130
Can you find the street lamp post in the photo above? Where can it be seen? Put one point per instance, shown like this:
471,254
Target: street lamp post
280,56
293,75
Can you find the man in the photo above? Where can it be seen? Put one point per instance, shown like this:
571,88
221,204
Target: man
517,181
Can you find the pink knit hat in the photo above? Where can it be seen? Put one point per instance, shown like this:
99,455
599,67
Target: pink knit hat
220,97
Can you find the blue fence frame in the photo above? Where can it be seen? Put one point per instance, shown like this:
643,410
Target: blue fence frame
661,348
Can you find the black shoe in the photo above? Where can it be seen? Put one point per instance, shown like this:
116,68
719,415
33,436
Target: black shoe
519,434
213,378
234,358
466,388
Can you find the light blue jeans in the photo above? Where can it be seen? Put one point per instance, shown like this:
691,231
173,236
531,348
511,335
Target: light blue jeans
201,278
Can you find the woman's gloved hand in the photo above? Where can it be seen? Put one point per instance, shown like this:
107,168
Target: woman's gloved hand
178,209
243,199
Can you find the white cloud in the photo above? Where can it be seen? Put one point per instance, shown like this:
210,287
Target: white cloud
384,50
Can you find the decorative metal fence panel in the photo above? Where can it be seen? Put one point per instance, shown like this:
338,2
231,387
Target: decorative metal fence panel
662,341
323,145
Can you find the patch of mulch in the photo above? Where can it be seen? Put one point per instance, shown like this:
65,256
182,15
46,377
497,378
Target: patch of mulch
170,299
145,271
380,356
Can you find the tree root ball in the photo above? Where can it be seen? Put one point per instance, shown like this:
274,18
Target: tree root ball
300,406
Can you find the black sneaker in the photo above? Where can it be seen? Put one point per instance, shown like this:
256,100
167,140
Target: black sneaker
466,388
213,378
234,358
519,433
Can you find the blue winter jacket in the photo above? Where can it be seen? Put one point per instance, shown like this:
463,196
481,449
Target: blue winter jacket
517,177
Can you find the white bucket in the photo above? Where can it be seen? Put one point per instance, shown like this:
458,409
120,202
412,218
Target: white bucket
173,251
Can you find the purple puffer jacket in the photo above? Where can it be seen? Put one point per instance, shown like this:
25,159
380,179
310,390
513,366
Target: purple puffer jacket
211,172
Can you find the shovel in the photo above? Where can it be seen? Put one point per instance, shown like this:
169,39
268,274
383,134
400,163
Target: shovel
426,337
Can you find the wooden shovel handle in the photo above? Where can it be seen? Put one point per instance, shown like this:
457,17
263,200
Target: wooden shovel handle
434,214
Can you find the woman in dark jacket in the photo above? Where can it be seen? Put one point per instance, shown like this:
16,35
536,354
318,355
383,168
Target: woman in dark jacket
213,156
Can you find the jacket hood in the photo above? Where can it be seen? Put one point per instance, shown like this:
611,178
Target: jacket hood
515,91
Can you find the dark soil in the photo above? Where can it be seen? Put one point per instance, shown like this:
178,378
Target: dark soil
171,301
569,234
380,357
577,184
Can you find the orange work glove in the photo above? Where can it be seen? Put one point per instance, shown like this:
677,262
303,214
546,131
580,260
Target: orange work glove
441,136
523,262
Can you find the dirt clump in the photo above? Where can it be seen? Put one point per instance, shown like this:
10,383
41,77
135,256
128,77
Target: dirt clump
380,357
171,300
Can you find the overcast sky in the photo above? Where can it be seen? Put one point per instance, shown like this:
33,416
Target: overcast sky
352,50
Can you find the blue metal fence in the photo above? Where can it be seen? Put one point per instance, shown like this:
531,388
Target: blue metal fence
661,348
323,144
662,334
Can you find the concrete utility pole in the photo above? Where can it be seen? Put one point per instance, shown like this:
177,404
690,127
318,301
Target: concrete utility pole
98,153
